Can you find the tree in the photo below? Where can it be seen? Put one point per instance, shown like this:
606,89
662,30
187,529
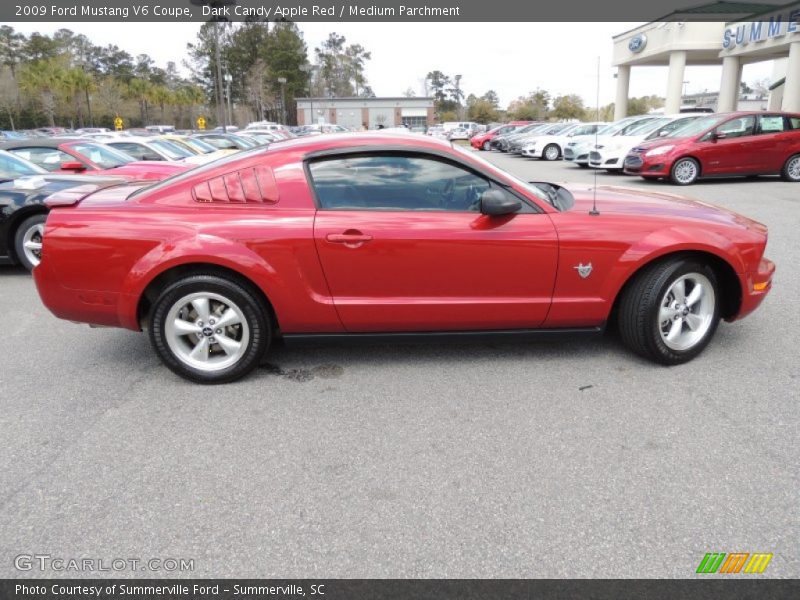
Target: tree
532,107
482,111
409,93
569,107
491,98
43,77
437,82
140,89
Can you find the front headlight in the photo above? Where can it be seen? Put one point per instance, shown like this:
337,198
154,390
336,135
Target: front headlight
659,151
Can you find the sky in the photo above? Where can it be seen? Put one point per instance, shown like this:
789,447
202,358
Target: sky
510,58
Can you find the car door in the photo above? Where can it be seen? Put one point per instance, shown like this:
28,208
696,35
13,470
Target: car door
772,143
404,247
725,150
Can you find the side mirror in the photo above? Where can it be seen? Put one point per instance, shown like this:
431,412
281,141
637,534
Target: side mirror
495,203
73,165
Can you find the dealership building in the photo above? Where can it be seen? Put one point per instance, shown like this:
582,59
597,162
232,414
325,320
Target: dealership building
358,112
731,34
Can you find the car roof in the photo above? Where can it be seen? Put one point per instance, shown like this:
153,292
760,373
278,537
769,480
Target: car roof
43,142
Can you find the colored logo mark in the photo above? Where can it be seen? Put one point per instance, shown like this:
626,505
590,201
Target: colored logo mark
737,562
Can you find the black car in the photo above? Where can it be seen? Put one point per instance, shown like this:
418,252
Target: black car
23,212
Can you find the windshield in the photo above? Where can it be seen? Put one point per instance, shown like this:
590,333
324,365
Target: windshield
636,127
199,145
12,167
697,126
103,156
668,129
170,150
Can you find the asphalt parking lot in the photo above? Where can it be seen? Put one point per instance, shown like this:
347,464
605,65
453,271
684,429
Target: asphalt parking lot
570,459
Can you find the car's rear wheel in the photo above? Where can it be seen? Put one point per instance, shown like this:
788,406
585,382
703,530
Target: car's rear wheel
685,171
487,145
209,329
551,152
28,241
791,170
670,311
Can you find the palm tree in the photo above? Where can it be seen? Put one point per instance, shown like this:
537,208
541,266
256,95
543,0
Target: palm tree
162,95
141,90
45,78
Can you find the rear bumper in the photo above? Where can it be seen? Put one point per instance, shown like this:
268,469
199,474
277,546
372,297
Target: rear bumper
757,285
83,306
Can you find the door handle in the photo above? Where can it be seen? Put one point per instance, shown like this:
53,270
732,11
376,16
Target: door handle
349,237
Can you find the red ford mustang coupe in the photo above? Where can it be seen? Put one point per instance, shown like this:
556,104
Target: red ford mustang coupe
377,236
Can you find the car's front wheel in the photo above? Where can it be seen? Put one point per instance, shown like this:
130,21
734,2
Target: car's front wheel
209,329
791,169
28,241
551,152
670,311
685,171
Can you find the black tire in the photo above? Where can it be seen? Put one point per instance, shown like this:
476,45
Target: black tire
487,146
791,169
551,147
251,306
583,165
675,173
638,314
28,226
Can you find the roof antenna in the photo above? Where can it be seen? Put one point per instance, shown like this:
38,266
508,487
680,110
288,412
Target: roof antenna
594,212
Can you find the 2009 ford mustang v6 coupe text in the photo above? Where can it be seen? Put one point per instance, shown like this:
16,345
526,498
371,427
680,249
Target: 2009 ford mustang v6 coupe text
375,235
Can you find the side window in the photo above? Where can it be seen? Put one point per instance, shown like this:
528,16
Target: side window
738,127
47,158
770,123
395,182
794,122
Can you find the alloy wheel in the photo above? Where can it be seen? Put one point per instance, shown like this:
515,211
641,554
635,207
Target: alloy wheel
685,171
207,331
32,243
686,311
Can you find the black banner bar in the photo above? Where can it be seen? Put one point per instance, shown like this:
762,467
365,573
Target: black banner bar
730,588
408,11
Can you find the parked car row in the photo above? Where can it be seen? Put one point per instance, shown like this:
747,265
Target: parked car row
680,148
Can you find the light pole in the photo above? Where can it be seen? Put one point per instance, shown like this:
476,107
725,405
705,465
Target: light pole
308,69
282,81
228,79
220,106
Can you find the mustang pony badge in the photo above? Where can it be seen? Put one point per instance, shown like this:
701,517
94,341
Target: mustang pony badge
583,270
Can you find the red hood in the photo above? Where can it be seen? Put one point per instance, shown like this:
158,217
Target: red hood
629,201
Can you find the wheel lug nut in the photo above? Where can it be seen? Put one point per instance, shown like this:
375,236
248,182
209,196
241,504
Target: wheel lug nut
211,340
219,331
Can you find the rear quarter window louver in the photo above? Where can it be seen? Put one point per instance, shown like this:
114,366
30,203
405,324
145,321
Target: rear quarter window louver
247,186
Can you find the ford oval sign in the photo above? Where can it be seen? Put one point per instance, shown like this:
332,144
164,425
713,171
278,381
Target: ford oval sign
637,43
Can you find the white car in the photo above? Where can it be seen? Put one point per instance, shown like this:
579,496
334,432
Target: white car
610,153
551,147
577,150
458,133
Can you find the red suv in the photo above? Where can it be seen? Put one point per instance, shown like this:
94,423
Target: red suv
740,143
